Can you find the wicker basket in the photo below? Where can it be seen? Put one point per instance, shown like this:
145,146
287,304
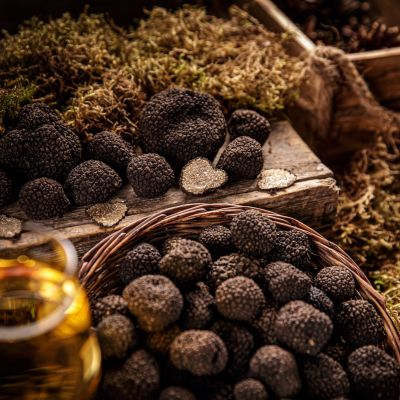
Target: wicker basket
98,272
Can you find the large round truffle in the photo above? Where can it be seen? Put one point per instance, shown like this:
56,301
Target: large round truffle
217,239
34,115
250,389
337,282
6,189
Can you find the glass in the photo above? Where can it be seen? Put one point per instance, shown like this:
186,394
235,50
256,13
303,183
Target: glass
47,348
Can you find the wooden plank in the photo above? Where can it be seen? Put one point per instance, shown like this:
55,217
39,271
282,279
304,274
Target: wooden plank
313,197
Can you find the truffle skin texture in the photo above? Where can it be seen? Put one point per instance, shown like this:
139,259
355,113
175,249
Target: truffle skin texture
242,159
141,260
374,374
200,352
319,299
92,182
109,305
324,377
116,335
199,309
154,300
302,328
217,239
277,369
6,189
250,389
264,324
337,282
43,198
239,298
181,125
112,150
176,393
253,233
52,150
359,323
186,263
285,282
292,247
160,342
249,123
150,175
34,115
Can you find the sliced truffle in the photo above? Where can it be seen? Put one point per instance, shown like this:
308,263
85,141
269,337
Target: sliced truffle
186,263
250,389
242,159
374,374
142,260
92,182
6,189
160,342
285,282
116,335
274,179
43,198
109,305
217,239
176,393
264,324
239,298
277,369
9,227
200,352
253,233
34,115
359,323
150,175
199,177
107,214
319,299
302,328
181,125
154,300
337,282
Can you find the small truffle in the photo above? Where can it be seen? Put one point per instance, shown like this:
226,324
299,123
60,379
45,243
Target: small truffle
154,300
253,233
264,324
359,323
160,342
250,389
107,214
277,369
9,227
43,198
303,328
242,159
186,263
337,282
6,189
374,374
34,115
217,239
285,282
199,352
150,175
199,177
274,179
239,298
170,242
141,260
176,393
319,299
109,305
92,182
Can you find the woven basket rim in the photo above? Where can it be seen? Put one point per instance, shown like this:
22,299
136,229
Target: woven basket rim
192,217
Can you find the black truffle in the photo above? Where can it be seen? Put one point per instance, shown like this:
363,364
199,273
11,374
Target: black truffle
249,123
92,182
264,324
200,352
242,159
337,282
320,300
338,351
109,305
150,175
160,342
141,260
112,150
285,282
277,369
253,233
176,393
34,115
217,239
303,328
181,125
170,242
6,189
250,389
239,298
374,374
43,198
186,263
324,377
359,323
154,300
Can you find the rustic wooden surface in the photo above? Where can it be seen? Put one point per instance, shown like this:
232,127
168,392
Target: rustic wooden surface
312,198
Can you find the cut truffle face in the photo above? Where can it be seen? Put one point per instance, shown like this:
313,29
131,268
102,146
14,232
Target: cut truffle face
242,159
43,198
34,115
155,301
9,227
181,124
337,282
6,189
107,214
109,305
200,352
199,177
249,123
150,175
92,182
217,239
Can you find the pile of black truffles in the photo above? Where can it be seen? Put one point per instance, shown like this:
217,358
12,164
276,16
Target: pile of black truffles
244,313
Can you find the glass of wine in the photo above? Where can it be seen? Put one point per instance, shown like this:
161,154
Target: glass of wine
47,348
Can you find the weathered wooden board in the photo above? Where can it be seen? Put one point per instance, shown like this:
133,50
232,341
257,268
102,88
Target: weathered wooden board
312,198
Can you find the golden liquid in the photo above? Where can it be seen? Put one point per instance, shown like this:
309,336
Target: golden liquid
56,357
